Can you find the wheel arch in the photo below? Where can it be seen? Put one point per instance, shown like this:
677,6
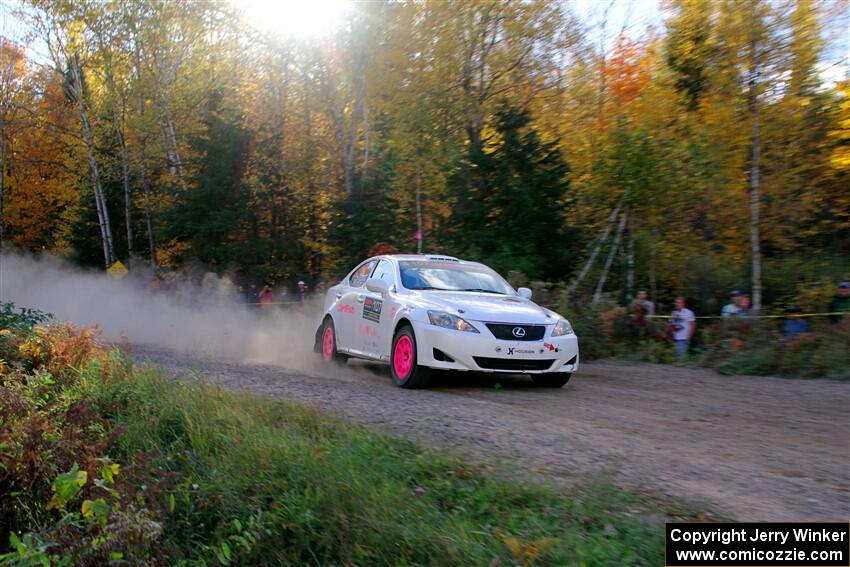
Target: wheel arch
403,321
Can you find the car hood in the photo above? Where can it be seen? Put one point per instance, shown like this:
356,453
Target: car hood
487,307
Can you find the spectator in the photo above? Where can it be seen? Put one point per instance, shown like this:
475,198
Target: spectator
643,302
744,307
302,291
266,297
250,293
639,310
840,304
794,325
733,306
683,323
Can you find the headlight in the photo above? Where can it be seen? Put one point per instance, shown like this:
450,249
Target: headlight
562,328
448,321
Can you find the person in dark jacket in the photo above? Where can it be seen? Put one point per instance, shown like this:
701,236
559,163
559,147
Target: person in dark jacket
794,325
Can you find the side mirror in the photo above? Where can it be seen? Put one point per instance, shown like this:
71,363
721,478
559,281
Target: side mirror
524,293
376,285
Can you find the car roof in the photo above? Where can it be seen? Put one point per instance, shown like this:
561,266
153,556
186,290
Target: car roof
426,258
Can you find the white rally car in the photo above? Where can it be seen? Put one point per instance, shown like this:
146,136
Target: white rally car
424,312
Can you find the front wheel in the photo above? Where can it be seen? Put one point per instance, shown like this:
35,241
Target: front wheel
404,369
551,380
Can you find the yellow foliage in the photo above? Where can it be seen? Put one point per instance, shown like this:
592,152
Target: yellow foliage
69,346
527,552
31,351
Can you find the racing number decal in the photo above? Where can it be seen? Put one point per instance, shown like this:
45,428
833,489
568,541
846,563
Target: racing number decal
372,309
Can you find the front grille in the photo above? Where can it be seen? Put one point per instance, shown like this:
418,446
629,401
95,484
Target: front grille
505,331
511,363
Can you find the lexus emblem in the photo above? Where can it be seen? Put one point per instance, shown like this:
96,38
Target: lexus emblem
518,332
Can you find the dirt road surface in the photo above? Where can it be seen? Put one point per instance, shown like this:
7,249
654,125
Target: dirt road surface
748,448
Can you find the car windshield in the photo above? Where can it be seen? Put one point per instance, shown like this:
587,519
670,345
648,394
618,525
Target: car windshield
448,276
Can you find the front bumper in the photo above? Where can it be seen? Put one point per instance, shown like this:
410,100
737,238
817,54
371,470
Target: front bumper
481,352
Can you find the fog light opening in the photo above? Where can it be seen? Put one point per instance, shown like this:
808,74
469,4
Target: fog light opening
441,356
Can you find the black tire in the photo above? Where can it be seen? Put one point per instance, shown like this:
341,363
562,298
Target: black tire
551,380
418,376
335,356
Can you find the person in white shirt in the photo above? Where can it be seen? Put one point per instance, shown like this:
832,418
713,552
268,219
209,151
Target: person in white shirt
683,323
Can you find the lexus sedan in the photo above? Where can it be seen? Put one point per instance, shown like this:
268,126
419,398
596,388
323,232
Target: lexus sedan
421,312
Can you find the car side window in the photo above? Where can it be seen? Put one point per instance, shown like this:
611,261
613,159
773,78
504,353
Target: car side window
385,272
361,274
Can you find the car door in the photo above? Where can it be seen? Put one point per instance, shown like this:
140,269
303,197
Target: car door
349,308
375,325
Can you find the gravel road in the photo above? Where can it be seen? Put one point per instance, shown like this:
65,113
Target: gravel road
749,448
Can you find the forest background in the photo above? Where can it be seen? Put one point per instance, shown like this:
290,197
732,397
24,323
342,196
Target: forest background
706,153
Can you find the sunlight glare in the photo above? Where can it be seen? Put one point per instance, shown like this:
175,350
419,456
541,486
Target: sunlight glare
298,18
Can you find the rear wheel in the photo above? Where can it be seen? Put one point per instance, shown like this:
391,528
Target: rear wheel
404,369
327,343
551,380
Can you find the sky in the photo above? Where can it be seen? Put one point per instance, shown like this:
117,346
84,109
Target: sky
628,16
633,17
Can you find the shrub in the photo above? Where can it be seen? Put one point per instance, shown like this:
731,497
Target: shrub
115,464
21,320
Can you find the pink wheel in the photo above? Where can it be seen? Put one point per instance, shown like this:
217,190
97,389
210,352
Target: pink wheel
404,366
328,343
403,357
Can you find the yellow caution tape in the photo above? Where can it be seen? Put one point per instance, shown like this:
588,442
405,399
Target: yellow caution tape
735,317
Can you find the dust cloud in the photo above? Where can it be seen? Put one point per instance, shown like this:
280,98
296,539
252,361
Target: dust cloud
207,320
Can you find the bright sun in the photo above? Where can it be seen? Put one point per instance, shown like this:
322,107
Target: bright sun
298,18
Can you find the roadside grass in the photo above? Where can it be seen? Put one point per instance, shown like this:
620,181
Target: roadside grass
104,462
313,489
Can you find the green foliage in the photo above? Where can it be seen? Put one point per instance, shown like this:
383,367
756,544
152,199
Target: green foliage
586,320
22,319
508,208
215,215
67,486
757,348
215,476
738,346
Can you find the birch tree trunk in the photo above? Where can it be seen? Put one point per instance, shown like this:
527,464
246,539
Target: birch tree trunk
172,149
166,124
598,243
608,261
100,202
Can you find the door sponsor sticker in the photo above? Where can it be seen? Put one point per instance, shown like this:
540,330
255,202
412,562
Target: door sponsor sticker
372,309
